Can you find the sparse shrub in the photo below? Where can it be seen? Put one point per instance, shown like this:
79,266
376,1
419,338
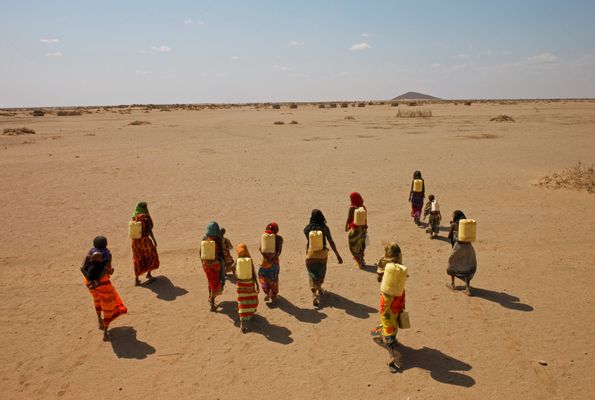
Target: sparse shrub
139,123
467,103
578,177
344,105
394,104
68,113
361,104
279,123
502,118
293,122
276,106
293,106
38,113
350,117
414,113
321,106
18,131
333,105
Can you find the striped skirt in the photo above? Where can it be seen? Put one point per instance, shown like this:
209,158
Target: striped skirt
107,301
247,299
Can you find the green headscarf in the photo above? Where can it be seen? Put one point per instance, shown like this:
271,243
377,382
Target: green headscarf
141,208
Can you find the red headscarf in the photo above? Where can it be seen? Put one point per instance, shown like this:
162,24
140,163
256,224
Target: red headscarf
272,228
356,200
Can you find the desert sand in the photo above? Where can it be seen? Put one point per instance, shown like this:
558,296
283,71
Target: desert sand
81,176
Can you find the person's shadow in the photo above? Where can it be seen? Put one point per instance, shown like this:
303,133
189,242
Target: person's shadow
164,288
443,368
126,345
258,324
301,314
351,307
504,299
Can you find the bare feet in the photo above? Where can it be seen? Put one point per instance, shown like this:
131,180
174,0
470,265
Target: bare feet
244,326
212,305
136,281
100,322
105,335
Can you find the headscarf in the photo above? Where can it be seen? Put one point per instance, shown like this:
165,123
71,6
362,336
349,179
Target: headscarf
213,230
141,208
457,215
356,200
272,228
417,175
242,250
100,246
317,217
392,252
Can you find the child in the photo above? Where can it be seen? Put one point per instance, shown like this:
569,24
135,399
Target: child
230,264
433,209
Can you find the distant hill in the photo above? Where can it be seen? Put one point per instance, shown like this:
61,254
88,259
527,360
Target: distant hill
415,96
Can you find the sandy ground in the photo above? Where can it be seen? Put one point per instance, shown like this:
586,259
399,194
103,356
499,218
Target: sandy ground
81,176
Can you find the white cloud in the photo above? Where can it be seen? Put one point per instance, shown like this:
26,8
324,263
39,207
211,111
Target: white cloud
236,58
462,56
436,65
141,72
458,67
360,46
50,40
161,49
188,21
486,52
56,54
366,34
284,68
145,52
295,43
542,58
343,73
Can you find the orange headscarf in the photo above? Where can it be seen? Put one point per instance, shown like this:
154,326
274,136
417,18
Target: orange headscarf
242,250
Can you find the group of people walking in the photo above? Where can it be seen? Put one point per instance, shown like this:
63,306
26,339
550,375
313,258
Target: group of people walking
218,263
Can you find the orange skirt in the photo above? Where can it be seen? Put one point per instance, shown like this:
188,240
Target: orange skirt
144,255
106,300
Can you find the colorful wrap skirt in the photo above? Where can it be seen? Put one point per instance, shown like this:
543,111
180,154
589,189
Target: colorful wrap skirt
417,203
247,299
316,266
357,242
390,308
215,273
269,279
107,301
144,255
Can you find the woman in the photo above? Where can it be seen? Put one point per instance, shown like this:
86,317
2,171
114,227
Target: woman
144,250
268,273
462,262
316,260
357,234
247,292
214,269
417,198
97,269
392,254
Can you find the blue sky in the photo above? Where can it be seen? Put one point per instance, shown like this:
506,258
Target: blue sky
121,52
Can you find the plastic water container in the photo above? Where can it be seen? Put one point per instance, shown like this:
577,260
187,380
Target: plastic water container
418,185
316,240
268,243
434,206
467,230
244,268
393,281
135,229
207,250
359,217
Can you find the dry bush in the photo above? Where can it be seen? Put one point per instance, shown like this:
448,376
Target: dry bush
276,107
333,105
394,104
467,103
414,103
294,122
69,113
321,106
139,123
7,114
344,105
350,117
578,177
414,114
279,123
18,131
502,118
293,106
361,104
38,113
